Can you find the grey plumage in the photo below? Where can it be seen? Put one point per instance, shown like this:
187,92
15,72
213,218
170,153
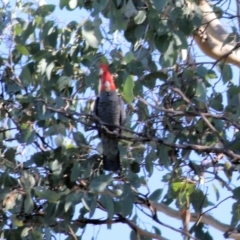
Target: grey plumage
109,108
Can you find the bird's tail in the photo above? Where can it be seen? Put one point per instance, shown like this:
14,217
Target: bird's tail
113,163
111,155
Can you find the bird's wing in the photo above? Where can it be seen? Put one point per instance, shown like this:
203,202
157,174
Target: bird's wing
95,108
95,112
122,111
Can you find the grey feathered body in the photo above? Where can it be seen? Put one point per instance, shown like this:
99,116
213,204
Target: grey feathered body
109,108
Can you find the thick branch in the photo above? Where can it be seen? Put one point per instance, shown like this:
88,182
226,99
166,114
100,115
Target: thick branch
163,208
213,48
132,225
212,35
211,22
207,219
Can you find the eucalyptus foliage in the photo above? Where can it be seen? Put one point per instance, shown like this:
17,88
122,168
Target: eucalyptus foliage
51,175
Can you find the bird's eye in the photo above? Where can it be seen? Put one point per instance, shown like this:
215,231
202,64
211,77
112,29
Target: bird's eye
100,72
107,84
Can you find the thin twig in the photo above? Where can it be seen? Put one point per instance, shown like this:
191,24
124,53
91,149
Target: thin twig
200,216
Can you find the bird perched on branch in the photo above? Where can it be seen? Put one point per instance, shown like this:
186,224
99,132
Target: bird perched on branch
109,108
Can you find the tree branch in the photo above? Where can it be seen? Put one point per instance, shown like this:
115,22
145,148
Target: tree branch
207,219
163,208
211,36
120,219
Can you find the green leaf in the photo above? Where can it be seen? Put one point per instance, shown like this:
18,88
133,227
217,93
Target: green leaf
216,192
129,56
149,163
107,203
169,58
138,32
175,13
89,33
16,56
177,186
231,38
89,201
27,180
155,195
211,74
216,101
74,52
236,193
17,29
99,183
36,235
116,17
235,214
33,48
68,69
26,136
198,200
40,55
79,138
25,232
39,158
28,204
47,194
51,39
162,42
197,17
158,5
180,39
135,167
200,233
127,199
164,27
75,172
26,75
157,231
85,204
10,154
49,69
16,221
59,140
155,75
183,186
27,32
128,89
226,72
134,179
63,3
22,49
140,17
56,167
202,71
47,29
45,10
63,82
72,199
201,92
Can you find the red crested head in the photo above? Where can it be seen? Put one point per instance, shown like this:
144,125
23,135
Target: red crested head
106,78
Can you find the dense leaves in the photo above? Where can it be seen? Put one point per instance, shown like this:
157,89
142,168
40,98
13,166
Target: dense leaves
179,124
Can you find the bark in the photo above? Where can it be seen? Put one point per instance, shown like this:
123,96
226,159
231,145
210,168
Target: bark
211,36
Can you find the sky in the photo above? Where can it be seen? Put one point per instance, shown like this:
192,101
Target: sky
121,231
